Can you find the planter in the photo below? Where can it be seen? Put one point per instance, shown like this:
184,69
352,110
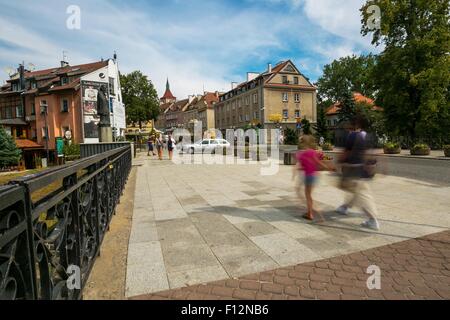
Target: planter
420,151
290,158
327,147
447,151
392,150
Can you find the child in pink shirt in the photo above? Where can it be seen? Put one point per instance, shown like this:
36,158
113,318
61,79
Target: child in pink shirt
308,160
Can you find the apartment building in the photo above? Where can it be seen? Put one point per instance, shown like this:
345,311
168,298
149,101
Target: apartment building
39,106
282,90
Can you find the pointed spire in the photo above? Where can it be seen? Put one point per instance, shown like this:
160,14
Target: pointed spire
168,96
167,84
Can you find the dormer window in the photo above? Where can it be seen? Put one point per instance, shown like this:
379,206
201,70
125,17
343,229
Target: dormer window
33,84
64,80
15,86
285,80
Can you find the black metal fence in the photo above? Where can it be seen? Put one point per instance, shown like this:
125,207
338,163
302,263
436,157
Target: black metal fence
52,225
90,149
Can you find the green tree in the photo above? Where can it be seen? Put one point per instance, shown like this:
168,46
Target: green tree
306,127
347,109
290,137
9,153
352,73
140,98
413,72
321,126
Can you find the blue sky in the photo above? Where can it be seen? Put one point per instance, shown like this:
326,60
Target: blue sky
197,44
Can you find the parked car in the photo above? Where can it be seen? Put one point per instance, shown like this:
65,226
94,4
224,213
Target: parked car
205,146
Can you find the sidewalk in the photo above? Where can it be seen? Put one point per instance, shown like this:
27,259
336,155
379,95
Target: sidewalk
414,269
195,224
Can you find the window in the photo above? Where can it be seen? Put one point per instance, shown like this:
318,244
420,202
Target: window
256,115
255,98
285,114
33,133
44,106
44,132
295,80
64,80
15,86
33,84
111,86
329,122
64,105
297,97
335,122
285,80
19,112
297,113
33,109
285,97
247,100
8,113
241,118
247,117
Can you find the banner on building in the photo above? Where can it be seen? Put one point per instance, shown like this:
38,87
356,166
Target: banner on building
89,101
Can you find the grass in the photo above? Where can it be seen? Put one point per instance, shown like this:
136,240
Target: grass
7,177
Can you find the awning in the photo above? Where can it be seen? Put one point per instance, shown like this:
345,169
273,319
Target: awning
16,122
27,144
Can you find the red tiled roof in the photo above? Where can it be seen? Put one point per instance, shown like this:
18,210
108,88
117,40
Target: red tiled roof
168,95
27,144
359,98
85,68
210,98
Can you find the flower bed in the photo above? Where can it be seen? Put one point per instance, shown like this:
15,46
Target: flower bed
447,150
392,148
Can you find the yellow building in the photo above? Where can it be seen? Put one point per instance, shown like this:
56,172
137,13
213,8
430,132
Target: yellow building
282,90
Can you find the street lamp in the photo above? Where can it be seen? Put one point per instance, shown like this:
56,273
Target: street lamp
44,110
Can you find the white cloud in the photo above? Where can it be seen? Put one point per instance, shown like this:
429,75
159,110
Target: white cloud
197,45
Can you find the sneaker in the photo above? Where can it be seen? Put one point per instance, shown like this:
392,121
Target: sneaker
342,210
371,224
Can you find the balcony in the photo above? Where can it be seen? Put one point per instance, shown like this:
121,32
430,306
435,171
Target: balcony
30,118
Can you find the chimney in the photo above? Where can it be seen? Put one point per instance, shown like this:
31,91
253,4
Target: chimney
22,77
269,68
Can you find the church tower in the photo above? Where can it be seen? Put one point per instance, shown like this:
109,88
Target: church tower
168,97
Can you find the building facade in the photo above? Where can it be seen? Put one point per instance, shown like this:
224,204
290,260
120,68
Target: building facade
282,90
41,106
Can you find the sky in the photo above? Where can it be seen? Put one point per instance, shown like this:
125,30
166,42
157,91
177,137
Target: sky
197,44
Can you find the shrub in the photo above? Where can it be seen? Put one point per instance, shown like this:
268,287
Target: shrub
391,148
420,149
447,150
327,146
72,151
291,137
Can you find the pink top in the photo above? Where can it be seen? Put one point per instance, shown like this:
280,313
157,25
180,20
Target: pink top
307,162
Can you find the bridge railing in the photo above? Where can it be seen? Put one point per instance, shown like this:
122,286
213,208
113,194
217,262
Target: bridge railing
52,225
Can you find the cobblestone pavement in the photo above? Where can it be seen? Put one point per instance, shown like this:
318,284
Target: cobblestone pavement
414,269
197,223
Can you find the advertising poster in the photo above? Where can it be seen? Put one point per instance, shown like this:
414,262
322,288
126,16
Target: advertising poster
91,119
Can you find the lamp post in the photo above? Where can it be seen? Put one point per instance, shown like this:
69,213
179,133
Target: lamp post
44,110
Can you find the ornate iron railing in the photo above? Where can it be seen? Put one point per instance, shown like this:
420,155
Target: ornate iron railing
52,225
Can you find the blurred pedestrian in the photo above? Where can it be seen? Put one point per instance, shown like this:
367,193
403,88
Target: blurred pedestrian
159,147
150,146
170,146
308,161
356,174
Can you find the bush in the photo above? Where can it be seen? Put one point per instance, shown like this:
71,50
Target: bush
447,150
327,146
72,151
291,137
392,148
420,149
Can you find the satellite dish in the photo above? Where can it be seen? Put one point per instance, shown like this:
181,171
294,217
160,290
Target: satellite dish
10,71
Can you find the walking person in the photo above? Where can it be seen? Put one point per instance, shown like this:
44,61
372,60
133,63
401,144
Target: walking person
150,147
159,147
356,175
308,161
170,146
